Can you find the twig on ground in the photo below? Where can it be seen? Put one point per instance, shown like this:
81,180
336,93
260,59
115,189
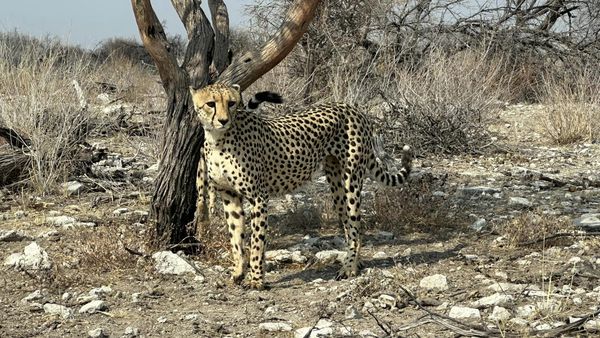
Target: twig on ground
385,327
557,235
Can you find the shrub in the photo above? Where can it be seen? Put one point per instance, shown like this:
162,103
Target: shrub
572,104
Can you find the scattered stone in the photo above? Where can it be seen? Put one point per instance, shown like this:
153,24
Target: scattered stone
434,282
330,256
59,310
512,287
20,214
592,325
285,256
169,263
120,211
520,202
351,313
384,235
72,187
32,258
97,333
588,222
525,311
162,319
463,312
387,301
380,255
192,317
275,327
35,295
13,236
101,291
61,221
500,314
476,191
495,299
131,332
93,307
479,224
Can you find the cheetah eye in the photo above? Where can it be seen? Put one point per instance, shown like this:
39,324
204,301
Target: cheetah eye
231,103
211,104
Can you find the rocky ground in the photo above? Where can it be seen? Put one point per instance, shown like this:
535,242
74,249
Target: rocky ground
467,248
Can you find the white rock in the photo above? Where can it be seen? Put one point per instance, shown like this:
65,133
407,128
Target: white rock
519,322
162,319
330,256
525,311
351,313
592,325
169,263
520,202
93,307
495,299
20,214
479,224
103,290
275,327
61,221
463,312
384,235
59,310
97,333
35,295
32,258
500,314
13,236
131,332
72,187
387,301
285,256
434,282
380,255
191,317
120,211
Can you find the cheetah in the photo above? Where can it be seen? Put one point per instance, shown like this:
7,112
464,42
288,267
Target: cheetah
254,157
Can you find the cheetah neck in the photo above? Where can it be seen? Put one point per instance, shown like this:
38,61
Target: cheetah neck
214,137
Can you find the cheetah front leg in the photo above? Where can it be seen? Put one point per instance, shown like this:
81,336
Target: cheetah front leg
234,215
258,243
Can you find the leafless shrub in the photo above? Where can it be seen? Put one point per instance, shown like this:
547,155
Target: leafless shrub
572,104
533,226
415,208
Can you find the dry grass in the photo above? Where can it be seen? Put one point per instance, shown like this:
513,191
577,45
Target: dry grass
533,226
572,105
416,209
39,101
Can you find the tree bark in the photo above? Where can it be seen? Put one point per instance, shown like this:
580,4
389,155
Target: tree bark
174,198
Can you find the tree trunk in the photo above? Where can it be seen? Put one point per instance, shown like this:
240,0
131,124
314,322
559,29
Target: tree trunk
174,199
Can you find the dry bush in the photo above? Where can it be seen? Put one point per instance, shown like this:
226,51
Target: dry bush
572,104
533,226
38,100
415,208
447,103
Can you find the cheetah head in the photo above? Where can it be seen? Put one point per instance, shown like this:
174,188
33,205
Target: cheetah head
216,105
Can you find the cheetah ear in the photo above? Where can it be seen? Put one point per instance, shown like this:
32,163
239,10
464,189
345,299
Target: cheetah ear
237,87
192,90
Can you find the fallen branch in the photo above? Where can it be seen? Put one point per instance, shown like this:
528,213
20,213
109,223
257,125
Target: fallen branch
383,326
558,235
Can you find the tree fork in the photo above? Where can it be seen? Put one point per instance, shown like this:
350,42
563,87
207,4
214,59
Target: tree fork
174,198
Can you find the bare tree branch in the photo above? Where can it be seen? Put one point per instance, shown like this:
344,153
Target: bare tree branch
155,41
199,52
220,21
249,66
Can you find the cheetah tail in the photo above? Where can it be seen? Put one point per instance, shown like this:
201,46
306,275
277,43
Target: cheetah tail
260,97
393,179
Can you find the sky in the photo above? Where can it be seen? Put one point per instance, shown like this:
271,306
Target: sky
88,22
